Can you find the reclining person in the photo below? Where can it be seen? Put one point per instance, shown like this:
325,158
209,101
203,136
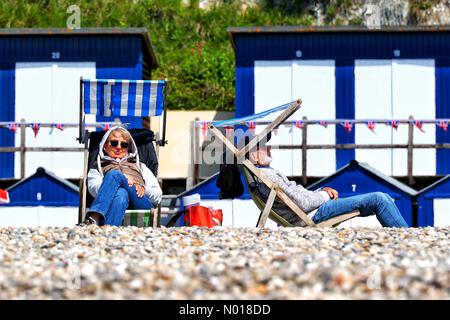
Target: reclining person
322,204
119,180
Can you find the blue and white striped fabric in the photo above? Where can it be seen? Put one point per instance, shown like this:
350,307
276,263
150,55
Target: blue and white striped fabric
138,98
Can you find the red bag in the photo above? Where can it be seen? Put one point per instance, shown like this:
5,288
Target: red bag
4,196
203,217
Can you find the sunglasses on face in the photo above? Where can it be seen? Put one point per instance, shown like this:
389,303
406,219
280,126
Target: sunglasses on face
121,144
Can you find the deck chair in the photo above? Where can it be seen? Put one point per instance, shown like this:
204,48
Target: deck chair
114,98
253,176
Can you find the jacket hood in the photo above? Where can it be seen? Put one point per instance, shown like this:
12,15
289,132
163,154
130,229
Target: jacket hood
131,153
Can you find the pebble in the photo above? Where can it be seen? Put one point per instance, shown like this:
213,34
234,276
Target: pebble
224,263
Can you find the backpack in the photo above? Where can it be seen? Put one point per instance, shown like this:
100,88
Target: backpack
229,182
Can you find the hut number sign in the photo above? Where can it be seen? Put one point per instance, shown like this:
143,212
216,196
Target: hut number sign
56,55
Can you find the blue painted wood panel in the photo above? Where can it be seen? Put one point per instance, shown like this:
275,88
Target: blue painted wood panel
7,98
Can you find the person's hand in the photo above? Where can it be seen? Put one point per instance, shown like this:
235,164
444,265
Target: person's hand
140,190
331,192
130,181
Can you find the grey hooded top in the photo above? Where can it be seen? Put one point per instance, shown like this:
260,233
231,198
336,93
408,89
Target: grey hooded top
95,176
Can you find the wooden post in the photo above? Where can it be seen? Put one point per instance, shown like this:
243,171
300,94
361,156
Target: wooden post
410,149
156,145
22,148
194,167
304,151
81,124
83,185
197,153
157,215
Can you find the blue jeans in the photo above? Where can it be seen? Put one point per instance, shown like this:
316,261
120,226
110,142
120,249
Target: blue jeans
114,197
377,203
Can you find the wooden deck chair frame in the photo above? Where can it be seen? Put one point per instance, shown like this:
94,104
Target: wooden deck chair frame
275,191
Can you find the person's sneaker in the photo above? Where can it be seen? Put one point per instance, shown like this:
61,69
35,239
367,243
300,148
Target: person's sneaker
87,221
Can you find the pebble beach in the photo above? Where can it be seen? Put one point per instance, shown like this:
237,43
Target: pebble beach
224,263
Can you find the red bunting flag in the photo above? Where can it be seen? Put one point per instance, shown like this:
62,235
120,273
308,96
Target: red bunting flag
251,124
394,124
347,126
35,126
299,124
419,125
106,127
323,123
443,124
228,131
204,128
12,126
4,196
59,126
371,125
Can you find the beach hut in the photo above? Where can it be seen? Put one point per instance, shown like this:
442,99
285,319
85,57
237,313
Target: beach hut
433,204
40,72
42,199
346,72
358,178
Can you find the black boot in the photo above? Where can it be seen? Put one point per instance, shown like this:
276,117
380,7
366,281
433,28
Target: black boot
91,218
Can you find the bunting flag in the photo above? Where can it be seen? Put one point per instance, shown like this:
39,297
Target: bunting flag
105,127
323,123
347,125
58,126
299,124
419,125
136,98
12,126
371,125
443,124
4,196
228,131
394,124
35,126
204,128
251,124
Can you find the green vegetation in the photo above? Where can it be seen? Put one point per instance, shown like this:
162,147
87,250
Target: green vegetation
192,45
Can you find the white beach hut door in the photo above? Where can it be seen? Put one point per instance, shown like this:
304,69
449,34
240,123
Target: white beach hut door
395,89
49,93
278,82
314,81
273,87
414,94
373,100
441,209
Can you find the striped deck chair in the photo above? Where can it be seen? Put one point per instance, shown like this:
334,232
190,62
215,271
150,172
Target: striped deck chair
253,175
122,98
139,218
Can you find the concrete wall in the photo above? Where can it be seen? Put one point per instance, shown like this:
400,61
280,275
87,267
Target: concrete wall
175,158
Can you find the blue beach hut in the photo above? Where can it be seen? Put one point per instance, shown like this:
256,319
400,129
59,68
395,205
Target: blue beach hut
433,204
42,199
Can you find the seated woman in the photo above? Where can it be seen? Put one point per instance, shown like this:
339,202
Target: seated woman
119,181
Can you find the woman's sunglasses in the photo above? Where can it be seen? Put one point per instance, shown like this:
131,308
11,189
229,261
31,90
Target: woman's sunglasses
115,143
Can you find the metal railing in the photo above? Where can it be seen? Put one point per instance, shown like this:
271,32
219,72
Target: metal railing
199,147
23,148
